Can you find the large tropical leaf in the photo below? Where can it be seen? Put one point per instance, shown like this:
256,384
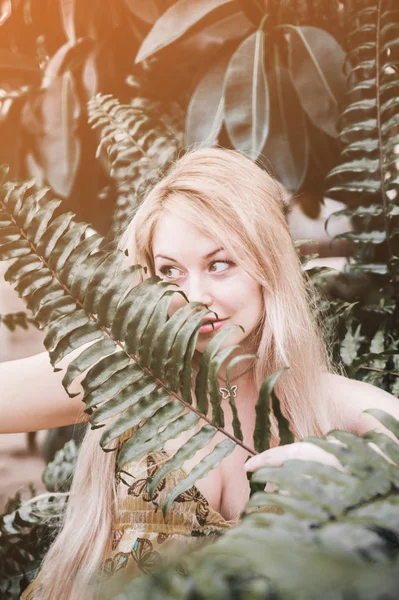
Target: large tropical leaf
316,65
205,112
287,145
246,96
175,22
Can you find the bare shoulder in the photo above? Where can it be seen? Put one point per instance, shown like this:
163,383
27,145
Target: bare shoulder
352,397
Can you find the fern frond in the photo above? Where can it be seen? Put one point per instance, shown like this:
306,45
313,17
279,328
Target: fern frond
369,168
322,532
17,319
25,535
138,367
57,476
367,179
140,141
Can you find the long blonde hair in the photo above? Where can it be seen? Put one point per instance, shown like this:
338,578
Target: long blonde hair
241,206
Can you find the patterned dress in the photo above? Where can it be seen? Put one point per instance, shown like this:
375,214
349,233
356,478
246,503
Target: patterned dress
140,535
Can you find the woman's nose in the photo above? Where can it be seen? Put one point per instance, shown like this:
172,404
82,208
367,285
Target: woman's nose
197,291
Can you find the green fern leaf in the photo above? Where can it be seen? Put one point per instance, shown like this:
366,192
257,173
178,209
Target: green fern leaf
141,141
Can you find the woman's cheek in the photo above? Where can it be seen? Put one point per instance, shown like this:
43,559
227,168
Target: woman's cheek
176,302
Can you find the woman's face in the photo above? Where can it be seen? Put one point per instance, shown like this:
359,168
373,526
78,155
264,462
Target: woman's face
207,273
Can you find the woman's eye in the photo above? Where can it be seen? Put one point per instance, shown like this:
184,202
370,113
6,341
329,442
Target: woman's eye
169,272
219,266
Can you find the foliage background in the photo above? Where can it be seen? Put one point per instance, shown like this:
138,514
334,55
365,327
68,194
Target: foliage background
97,99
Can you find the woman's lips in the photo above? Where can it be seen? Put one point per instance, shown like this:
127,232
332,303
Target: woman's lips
214,326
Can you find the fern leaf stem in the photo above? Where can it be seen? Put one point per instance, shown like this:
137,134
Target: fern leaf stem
199,414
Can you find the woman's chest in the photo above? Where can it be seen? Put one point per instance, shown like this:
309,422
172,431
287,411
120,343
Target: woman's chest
226,487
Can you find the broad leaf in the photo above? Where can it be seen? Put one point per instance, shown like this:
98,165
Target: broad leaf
59,147
316,64
246,94
205,112
287,144
174,23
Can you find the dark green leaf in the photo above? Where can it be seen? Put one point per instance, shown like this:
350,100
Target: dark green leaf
103,370
14,249
87,359
22,266
182,344
316,63
196,442
149,439
30,283
205,111
287,144
174,22
202,379
262,408
124,400
143,408
246,96
145,438
113,385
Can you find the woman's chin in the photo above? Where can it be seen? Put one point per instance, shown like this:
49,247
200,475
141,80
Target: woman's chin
204,340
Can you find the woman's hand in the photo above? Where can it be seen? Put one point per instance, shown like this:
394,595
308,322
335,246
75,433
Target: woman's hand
276,457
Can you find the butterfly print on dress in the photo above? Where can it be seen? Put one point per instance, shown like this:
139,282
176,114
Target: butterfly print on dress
202,507
141,486
116,563
116,538
145,556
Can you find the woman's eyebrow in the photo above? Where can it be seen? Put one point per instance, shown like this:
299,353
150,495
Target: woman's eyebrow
204,257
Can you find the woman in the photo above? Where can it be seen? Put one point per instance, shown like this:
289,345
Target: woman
214,225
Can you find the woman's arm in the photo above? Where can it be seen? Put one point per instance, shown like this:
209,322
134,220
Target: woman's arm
32,396
353,397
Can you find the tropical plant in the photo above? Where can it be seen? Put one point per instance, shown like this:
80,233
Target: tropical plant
141,141
26,531
54,56
218,59
367,177
258,92
325,533
57,476
139,367
27,528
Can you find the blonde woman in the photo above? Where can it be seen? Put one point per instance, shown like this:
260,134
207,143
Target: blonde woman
214,225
